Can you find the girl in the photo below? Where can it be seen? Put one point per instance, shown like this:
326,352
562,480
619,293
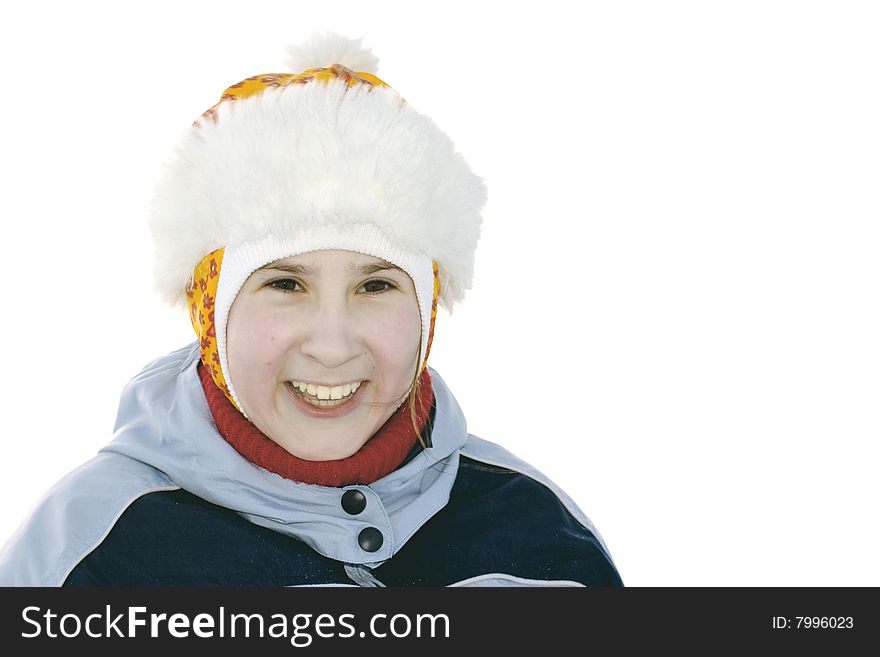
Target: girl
310,224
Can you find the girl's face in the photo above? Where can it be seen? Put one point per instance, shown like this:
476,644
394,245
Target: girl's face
322,349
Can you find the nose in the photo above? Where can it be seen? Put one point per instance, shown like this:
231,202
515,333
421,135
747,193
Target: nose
330,335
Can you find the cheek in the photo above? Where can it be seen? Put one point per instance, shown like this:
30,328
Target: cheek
394,341
255,349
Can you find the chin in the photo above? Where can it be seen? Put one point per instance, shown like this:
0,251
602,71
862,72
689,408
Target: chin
320,452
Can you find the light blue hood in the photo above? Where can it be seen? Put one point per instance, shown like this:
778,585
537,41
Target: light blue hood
165,438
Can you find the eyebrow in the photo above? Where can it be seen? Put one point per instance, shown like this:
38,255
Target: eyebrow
304,271
371,268
296,270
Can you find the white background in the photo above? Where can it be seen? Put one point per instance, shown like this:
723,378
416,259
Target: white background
675,305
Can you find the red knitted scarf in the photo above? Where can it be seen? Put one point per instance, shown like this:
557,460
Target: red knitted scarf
381,454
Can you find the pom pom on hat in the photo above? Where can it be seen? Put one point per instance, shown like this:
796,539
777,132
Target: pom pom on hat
321,50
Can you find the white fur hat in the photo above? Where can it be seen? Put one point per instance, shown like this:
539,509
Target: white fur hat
296,156
327,158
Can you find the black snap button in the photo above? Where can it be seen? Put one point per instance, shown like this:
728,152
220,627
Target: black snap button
354,501
370,539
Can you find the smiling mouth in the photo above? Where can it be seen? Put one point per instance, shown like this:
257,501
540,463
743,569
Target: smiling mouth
323,396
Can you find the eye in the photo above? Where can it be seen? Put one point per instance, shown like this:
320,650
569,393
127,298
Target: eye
376,286
286,285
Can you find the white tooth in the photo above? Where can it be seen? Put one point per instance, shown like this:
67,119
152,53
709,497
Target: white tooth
355,386
312,389
300,386
336,392
323,392
346,390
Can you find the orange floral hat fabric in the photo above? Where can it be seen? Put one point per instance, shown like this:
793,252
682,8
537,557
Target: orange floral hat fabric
258,83
201,294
